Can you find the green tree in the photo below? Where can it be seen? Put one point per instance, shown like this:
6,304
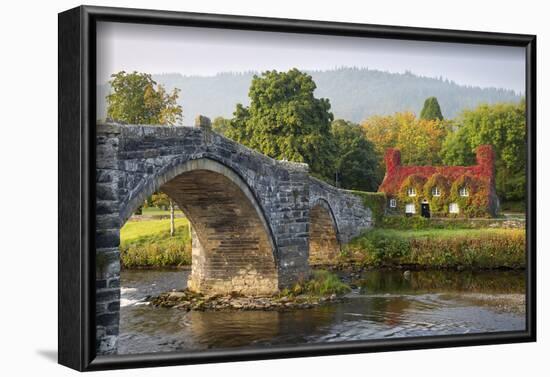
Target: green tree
356,162
137,99
159,200
501,125
221,125
286,121
431,110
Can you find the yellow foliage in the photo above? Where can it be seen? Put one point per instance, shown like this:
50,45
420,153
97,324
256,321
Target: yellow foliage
420,140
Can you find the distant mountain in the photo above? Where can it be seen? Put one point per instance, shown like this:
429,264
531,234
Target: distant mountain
354,93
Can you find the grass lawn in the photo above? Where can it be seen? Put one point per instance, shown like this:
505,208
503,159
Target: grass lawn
147,243
155,211
134,231
445,233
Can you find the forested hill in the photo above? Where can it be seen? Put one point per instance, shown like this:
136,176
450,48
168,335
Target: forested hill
354,93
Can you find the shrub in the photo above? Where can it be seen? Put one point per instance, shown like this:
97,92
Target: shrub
324,283
403,222
168,254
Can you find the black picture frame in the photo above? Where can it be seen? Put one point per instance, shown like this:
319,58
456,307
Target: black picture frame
76,185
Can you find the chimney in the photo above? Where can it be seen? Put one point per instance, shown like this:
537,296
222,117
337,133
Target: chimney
485,157
392,158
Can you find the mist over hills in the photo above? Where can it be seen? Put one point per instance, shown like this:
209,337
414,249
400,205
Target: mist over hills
354,93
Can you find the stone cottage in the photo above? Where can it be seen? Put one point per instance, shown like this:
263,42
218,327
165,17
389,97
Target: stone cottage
441,191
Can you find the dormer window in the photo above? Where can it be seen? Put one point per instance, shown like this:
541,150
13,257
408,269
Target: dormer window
436,191
463,191
411,191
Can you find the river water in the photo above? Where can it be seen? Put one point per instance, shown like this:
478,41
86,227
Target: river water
383,304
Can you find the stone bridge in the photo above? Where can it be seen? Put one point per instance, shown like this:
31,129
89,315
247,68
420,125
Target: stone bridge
257,222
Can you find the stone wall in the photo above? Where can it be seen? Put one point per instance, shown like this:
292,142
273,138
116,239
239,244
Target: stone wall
348,210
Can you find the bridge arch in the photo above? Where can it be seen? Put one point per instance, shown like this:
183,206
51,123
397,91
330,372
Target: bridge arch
232,247
324,239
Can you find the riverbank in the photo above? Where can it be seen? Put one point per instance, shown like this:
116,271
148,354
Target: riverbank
487,248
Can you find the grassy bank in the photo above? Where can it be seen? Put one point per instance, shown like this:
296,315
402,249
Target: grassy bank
439,248
148,243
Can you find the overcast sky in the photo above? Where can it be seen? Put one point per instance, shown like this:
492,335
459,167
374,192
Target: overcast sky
197,51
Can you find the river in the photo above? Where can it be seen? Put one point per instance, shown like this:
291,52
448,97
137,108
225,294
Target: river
383,304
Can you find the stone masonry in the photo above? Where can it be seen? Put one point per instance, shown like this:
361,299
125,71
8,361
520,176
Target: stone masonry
254,219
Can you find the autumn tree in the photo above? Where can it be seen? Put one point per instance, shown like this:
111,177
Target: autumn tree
286,121
502,126
136,98
356,161
420,140
431,110
382,131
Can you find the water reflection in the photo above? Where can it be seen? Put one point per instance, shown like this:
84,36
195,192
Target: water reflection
385,304
384,281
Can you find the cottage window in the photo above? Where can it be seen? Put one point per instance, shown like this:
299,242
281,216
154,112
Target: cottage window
436,191
409,208
463,191
453,208
411,191
393,203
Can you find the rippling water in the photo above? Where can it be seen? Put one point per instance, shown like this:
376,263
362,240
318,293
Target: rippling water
383,304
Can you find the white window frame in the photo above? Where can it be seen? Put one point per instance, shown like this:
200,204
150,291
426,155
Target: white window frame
393,203
436,191
411,191
454,208
463,191
408,207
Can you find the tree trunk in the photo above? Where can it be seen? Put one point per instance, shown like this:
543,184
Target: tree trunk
172,221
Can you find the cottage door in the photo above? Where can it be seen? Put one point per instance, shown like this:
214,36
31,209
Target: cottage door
425,210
